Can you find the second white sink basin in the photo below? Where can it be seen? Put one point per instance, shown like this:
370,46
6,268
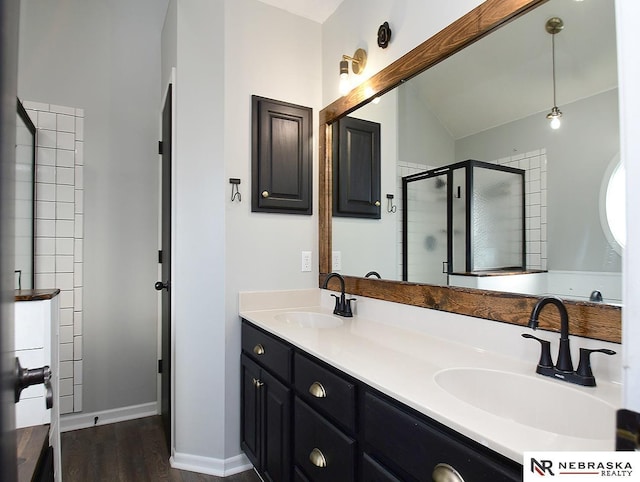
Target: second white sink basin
310,319
528,400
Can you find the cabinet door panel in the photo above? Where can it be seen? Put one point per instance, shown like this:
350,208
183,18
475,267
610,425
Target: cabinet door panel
277,429
250,422
314,432
372,471
408,444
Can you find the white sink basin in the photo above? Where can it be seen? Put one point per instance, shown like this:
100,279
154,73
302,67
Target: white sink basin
310,319
528,400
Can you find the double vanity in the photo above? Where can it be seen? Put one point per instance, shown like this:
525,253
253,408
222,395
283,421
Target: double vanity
403,393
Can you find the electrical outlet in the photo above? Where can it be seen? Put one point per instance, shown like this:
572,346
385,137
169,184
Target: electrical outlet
306,261
336,261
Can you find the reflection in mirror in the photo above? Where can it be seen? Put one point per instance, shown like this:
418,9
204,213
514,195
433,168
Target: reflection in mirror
489,102
25,200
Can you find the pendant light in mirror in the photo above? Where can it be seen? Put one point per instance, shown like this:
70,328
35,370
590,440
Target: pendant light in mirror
554,26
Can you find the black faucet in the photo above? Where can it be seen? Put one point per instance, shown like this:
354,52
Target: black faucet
343,305
373,273
563,368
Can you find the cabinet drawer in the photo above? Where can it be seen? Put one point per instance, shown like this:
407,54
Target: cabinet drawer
410,445
267,350
312,433
325,391
372,471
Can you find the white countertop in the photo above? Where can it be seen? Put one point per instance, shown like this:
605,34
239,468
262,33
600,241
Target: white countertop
399,350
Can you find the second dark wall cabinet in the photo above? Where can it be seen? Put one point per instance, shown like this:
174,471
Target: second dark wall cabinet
281,158
356,168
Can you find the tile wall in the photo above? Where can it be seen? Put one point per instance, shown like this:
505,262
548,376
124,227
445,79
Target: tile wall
59,231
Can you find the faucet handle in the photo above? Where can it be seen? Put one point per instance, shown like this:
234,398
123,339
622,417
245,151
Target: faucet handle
337,310
347,307
584,366
545,351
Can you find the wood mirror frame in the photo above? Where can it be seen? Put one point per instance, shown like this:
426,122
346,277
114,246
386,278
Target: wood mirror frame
592,320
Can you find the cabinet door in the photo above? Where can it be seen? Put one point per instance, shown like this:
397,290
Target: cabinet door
356,168
276,420
281,157
250,422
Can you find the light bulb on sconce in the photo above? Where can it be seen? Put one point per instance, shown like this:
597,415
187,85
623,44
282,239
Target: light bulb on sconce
554,117
358,63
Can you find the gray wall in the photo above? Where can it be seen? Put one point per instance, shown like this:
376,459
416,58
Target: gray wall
577,156
105,57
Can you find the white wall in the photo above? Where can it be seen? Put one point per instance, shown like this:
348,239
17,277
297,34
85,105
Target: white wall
104,57
627,15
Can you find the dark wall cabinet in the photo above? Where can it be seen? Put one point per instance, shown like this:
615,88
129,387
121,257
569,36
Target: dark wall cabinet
356,168
281,174
305,421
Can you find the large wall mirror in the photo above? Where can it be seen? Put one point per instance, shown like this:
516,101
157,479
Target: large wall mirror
480,89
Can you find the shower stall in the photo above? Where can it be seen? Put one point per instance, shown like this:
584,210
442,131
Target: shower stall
466,218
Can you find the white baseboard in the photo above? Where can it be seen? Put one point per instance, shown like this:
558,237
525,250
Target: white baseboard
210,466
78,421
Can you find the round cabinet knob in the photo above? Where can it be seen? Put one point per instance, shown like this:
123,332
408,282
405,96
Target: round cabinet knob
317,458
446,473
377,203
317,390
258,349
265,194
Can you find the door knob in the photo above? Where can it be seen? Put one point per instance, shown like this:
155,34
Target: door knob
26,377
160,286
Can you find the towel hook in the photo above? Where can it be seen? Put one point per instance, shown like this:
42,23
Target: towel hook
235,190
391,208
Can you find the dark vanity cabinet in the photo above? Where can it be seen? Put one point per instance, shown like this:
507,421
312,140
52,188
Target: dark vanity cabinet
356,168
266,404
305,421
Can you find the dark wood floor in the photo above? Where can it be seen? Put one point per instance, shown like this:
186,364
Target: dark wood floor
132,451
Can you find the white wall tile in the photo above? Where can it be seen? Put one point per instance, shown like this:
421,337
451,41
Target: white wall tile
66,140
45,264
45,210
77,368
79,128
64,246
66,334
77,250
66,298
79,226
65,210
45,246
77,275
64,228
66,316
77,398
64,175
64,264
65,158
46,174
66,369
79,153
61,109
45,280
29,104
65,123
77,322
66,351
46,156
45,192
66,405
46,120
79,201
64,193
77,295
79,112
79,180
77,347
47,138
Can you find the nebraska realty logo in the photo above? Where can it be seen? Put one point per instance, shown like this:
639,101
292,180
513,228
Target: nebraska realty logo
581,466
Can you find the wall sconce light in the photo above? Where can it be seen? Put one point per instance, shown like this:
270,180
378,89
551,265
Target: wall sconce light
358,63
553,26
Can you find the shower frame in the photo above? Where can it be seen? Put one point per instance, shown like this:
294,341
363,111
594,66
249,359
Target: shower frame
448,170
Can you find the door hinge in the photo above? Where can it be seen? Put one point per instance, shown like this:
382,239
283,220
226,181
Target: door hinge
160,256
159,366
160,147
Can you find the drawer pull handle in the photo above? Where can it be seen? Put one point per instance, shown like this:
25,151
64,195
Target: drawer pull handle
257,383
446,473
265,194
317,458
317,390
258,349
